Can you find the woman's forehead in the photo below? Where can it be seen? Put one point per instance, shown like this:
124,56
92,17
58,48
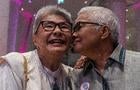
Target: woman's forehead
53,17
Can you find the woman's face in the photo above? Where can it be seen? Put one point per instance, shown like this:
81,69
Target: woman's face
53,35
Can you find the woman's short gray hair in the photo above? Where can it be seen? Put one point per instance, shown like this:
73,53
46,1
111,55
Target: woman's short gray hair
49,10
103,16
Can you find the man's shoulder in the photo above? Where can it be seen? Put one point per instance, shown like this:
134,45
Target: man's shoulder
67,68
133,53
132,68
132,56
132,61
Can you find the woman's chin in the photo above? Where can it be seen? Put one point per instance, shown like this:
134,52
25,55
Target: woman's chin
62,48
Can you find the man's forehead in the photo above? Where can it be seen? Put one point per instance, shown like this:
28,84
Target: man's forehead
82,17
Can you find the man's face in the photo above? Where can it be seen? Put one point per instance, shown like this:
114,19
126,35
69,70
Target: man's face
53,35
87,36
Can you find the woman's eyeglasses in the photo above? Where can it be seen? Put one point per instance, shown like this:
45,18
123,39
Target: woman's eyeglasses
50,26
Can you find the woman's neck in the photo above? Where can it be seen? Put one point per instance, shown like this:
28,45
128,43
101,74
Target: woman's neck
51,61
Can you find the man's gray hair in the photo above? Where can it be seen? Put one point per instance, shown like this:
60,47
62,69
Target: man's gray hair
50,10
103,16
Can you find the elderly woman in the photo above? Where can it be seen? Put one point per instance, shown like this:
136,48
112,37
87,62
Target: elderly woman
41,69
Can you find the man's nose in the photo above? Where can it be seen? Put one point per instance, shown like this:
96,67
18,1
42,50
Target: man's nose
74,34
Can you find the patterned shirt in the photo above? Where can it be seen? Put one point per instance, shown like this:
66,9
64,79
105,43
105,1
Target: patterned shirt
115,76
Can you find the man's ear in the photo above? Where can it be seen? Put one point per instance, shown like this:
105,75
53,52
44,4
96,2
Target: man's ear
105,32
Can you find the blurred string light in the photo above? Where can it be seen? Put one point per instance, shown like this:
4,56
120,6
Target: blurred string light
34,15
60,1
29,1
126,10
127,37
85,2
22,9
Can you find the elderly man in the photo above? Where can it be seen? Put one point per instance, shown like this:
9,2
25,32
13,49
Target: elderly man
108,65
41,69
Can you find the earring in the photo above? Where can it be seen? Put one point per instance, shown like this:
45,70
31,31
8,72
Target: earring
37,47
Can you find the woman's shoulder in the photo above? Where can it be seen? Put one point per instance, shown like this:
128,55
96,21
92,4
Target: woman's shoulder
16,57
16,61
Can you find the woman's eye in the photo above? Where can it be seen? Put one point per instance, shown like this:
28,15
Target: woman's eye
64,26
49,26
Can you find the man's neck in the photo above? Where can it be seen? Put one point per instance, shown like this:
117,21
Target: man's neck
101,55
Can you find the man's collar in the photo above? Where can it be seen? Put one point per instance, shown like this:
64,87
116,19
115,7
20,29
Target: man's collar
118,54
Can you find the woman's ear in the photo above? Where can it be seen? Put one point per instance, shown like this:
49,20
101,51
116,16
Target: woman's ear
34,39
105,32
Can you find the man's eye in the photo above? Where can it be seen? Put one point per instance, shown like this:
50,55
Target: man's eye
78,26
81,25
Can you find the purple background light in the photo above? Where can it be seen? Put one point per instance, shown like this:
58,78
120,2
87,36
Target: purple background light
136,6
20,21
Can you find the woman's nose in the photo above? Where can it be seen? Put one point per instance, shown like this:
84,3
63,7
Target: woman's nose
57,31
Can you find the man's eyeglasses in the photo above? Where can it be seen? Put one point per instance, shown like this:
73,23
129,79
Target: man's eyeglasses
50,26
79,25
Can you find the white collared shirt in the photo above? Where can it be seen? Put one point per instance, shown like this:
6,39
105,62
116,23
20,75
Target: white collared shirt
50,75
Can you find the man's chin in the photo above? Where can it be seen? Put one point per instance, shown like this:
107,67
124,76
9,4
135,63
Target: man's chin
76,49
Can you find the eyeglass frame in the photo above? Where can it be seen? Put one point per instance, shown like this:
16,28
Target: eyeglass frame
81,22
57,24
